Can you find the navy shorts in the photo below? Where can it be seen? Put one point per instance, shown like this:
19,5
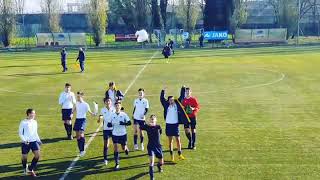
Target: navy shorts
120,140
107,134
192,123
156,151
80,124
66,114
34,146
140,122
172,130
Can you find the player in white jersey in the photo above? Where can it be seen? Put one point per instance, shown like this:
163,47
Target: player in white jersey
119,121
141,106
82,109
105,115
28,132
67,100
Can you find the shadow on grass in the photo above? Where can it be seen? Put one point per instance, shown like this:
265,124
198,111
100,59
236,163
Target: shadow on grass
25,66
40,74
44,141
83,168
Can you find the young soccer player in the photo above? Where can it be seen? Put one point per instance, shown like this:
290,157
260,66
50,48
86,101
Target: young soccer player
28,132
166,51
192,107
82,109
154,132
105,114
67,100
113,93
141,106
81,58
173,114
119,121
64,59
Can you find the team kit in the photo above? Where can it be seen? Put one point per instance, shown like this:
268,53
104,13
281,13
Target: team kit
176,111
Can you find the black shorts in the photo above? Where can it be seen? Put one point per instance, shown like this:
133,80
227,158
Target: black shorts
155,151
192,123
172,130
80,124
139,122
120,140
66,114
107,134
33,146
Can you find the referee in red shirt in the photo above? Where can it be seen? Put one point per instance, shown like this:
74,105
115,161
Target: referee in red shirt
192,107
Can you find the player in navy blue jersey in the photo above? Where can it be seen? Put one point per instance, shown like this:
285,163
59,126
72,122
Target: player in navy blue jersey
154,147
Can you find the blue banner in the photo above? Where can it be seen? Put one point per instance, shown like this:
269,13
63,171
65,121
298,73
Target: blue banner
216,35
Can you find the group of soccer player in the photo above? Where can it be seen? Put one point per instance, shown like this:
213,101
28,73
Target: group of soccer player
182,110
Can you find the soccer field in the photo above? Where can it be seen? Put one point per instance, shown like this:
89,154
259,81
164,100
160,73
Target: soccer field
259,116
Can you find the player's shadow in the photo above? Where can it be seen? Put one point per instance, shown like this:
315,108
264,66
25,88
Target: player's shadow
24,66
141,64
44,141
40,74
83,168
140,175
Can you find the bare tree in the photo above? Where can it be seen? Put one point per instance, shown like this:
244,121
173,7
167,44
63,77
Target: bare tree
239,15
155,13
20,6
7,21
97,12
141,13
52,10
163,11
188,13
286,14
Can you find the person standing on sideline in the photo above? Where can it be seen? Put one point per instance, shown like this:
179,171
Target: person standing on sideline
105,114
79,127
64,55
81,58
171,43
28,132
192,107
140,110
67,100
201,39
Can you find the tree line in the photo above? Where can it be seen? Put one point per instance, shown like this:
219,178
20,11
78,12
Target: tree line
150,14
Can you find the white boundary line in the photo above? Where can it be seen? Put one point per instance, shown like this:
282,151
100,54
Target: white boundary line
73,163
282,76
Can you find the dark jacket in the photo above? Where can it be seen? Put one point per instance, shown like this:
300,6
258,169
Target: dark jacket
81,56
171,44
182,115
166,51
119,95
63,55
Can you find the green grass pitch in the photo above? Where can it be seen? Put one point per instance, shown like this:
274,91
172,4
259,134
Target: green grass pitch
259,116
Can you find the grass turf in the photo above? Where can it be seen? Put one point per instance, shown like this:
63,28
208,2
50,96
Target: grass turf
258,118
